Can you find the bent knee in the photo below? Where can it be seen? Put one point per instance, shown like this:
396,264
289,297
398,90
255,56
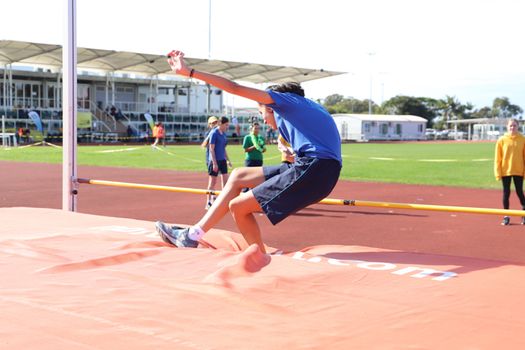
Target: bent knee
235,205
240,176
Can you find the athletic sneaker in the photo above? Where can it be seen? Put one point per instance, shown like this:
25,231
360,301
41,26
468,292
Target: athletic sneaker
523,220
506,221
177,236
208,206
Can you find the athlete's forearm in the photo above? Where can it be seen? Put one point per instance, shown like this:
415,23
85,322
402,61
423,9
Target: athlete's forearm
232,87
178,65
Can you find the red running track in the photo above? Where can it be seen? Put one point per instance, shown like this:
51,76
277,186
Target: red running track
468,235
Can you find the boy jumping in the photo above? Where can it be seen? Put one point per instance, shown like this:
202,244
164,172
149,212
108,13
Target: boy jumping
280,190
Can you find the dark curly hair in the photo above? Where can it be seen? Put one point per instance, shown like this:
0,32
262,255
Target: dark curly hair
292,87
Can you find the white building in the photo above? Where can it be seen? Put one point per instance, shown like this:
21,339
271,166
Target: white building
368,127
482,128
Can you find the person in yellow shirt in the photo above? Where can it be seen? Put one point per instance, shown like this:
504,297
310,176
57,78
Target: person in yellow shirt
509,165
287,153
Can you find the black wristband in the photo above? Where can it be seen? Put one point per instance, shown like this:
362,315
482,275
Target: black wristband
191,72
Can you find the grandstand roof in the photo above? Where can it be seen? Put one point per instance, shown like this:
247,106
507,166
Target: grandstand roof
48,55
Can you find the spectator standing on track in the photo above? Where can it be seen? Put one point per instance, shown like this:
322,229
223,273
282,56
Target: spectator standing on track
159,134
154,134
509,165
287,153
278,191
20,135
237,129
129,133
218,161
254,147
212,124
27,135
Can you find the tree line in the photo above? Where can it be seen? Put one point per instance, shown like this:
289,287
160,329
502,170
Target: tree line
436,111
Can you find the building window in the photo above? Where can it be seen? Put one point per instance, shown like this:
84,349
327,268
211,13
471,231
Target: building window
366,127
398,129
384,129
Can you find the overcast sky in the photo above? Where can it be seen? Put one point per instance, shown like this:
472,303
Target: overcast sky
473,50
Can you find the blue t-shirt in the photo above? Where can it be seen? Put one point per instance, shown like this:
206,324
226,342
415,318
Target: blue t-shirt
207,137
219,140
306,126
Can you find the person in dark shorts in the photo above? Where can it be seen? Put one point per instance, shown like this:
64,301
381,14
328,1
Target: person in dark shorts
254,147
278,191
509,165
213,121
218,160
287,154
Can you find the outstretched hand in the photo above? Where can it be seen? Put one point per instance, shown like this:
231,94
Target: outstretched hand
176,62
178,65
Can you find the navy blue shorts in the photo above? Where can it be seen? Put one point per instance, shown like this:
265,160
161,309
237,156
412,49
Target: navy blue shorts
291,187
253,162
223,168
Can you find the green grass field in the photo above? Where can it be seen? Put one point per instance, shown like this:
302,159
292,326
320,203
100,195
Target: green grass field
449,164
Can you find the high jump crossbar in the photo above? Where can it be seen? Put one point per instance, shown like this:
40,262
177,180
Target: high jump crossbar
328,201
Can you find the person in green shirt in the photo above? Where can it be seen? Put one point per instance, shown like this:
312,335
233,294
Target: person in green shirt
254,147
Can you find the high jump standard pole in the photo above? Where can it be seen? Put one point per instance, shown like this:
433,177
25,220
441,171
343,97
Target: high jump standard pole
69,108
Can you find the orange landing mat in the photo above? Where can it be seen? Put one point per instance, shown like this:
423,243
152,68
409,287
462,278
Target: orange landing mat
77,281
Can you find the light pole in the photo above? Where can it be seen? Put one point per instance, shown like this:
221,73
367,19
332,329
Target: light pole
370,55
382,75
209,28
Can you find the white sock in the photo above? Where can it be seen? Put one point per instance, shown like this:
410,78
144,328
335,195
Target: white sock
195,233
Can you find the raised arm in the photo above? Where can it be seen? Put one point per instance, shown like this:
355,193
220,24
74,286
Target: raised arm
178,65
